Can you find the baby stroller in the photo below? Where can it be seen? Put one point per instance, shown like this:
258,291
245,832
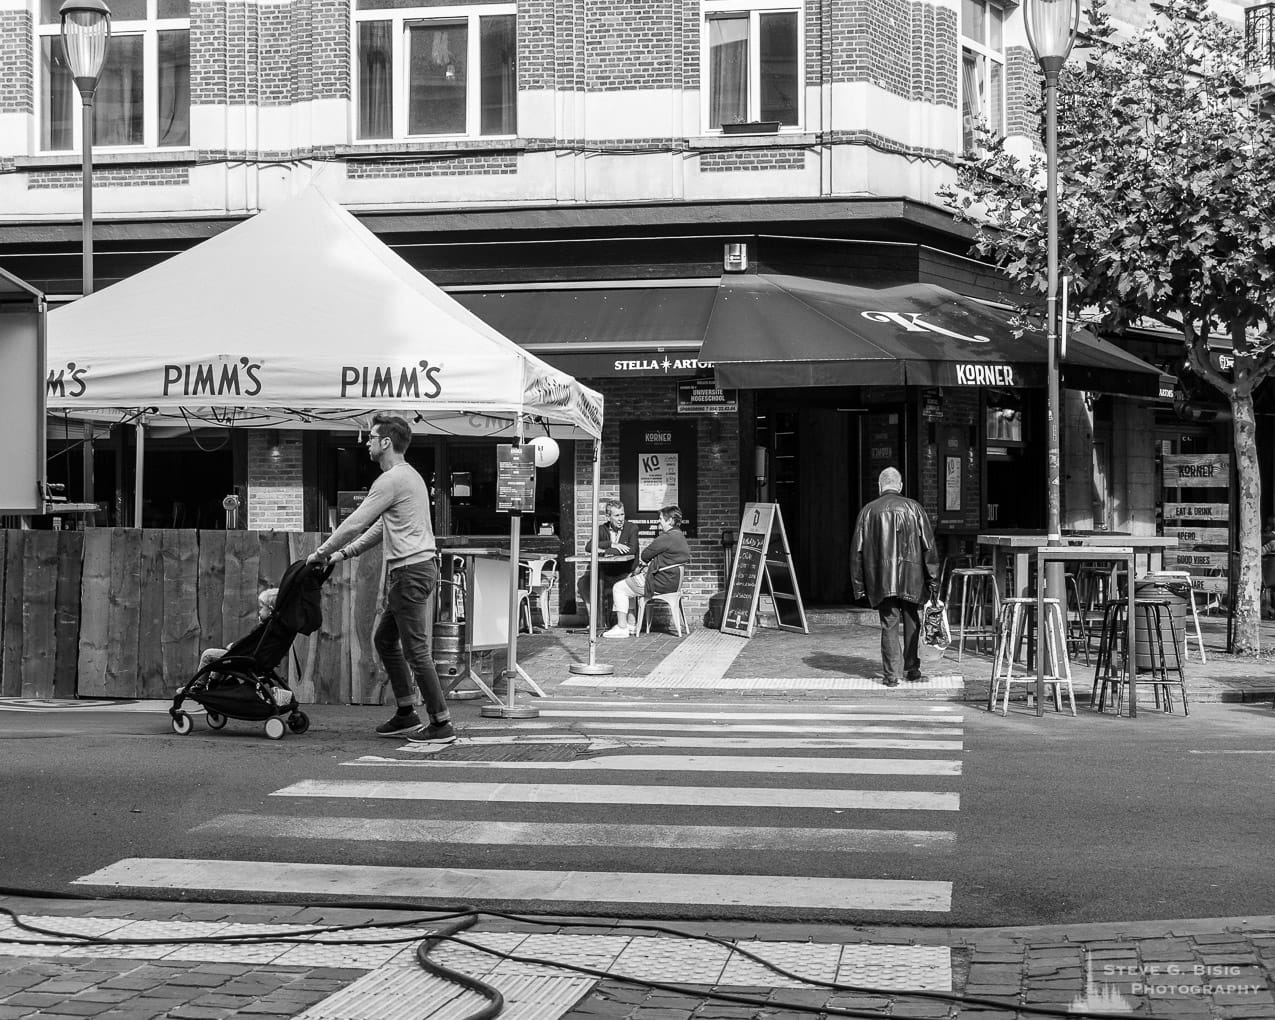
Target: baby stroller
245,683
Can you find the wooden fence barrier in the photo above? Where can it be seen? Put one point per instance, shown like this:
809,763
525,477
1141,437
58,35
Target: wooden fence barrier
124,613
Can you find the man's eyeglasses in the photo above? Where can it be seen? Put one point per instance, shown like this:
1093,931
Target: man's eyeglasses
372,437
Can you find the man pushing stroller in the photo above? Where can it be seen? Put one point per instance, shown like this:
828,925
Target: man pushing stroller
396,512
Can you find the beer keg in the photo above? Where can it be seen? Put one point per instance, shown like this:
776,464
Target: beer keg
449,647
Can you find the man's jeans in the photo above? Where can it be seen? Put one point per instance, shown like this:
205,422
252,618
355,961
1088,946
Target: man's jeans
402,638
892,611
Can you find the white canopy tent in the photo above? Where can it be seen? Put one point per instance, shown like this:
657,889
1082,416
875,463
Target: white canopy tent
300,317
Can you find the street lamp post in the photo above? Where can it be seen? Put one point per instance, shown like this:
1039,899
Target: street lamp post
1051,30
86,31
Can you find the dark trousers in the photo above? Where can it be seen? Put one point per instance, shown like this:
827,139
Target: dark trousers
609,575
402,638
905,658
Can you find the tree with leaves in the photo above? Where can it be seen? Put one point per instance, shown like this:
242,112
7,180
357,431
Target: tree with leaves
1166,213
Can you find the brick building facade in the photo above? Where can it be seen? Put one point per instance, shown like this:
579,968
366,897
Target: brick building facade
617,140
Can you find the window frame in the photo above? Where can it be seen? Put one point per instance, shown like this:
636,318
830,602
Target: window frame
402,20
149,29
985,55
753,9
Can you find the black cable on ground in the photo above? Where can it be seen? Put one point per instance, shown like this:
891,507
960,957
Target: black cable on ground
466,916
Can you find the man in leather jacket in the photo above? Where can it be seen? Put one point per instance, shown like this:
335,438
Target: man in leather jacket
894,565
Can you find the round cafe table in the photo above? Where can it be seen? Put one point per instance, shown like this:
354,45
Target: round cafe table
603,561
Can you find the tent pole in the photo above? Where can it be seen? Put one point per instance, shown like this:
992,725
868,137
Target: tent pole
513,672
138,454
593,667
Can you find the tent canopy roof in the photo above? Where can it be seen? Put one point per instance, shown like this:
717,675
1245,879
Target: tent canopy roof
300,316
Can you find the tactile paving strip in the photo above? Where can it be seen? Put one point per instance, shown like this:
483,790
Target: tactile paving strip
660,680
397,994
707,654
312,954
818,961
927,968
396,987
673,960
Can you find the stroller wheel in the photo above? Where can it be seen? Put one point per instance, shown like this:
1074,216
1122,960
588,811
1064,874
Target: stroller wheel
215,720
274,728
182,724
298,722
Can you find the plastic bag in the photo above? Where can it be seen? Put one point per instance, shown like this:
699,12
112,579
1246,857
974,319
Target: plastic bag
935,631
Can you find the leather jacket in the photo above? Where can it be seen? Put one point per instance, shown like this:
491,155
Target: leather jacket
893,552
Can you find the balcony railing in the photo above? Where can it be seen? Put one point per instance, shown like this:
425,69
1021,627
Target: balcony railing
1259,37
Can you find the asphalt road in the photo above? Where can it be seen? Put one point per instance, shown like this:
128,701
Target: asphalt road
1060,820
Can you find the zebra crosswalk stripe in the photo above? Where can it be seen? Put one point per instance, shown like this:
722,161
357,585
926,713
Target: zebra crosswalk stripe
683,763
477,885
789,839
603,793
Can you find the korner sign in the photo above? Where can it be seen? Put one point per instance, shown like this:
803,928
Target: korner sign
967,373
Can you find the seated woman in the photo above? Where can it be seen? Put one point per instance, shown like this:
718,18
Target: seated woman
667,549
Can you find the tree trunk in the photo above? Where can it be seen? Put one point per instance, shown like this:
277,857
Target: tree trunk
1248,585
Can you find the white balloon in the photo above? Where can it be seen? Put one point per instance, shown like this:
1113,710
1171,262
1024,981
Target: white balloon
546,449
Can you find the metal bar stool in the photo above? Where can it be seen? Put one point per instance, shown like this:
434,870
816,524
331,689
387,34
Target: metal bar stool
978,609
1154,616
1011,633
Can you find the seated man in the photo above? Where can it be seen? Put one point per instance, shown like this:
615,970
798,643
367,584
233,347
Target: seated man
616,537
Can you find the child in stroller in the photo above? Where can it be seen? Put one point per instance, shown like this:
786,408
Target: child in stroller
242,681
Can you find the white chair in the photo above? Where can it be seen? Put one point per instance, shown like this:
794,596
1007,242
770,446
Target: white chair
672,600
541,575
1210,601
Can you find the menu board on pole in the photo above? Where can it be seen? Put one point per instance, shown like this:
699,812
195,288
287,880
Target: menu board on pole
762,557
515,477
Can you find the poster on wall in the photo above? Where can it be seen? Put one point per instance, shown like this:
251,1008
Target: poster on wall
657,481
658,468
952,483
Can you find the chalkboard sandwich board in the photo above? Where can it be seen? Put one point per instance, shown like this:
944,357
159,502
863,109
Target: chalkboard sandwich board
762,557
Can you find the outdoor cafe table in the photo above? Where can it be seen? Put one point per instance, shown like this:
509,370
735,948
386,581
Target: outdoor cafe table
602,562
1016,549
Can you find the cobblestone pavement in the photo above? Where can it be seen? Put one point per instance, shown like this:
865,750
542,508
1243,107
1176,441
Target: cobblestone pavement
1209,968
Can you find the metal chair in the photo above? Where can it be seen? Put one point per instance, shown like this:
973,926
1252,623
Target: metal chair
672,600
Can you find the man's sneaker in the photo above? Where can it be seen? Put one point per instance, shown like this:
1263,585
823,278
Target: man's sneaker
891,681
402,722
617,632
434,733
917,678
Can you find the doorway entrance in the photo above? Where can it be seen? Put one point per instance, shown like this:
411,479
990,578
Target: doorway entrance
810,467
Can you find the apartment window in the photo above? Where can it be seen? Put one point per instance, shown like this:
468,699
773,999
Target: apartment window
143,96
752,64
982,71
435,70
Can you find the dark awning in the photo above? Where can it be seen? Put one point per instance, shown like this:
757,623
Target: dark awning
595,330
784,331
